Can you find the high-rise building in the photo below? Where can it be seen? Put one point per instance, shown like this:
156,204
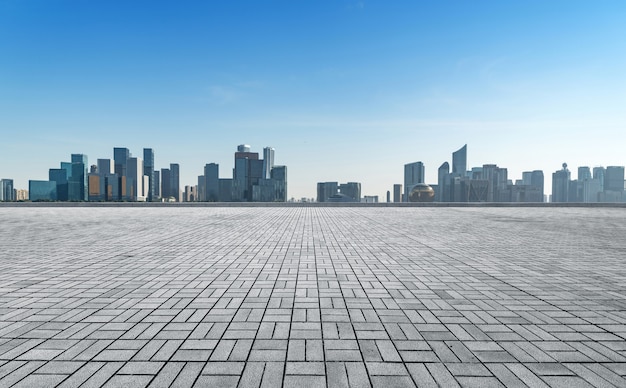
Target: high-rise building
268,162
166,183
560,185
279,178
326,190
212,182
157,184
148,170
175,181
351,190
78,182
443,193
459,161
7,191
397,192
243,148
537,180
614,179
598,173
584,173
105,167
42,190
413,174
134,176
120,156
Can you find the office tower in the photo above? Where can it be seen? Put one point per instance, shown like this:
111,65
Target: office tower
202,188
584,173
120,156
279,178
268,162
175,181
42,190
326,190
226,190
61,178
443,182
157,184
560,185
459,161
247,172
537,180
614,179
598,173
7,191
190,194
148,170
351,190
134,176
413,174
212,182
397,193
166,183
105,167
77,182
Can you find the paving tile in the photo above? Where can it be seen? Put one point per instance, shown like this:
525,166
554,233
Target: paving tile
319,296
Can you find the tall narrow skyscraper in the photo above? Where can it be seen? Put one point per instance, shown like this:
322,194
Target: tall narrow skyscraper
212,182
459,161
268,162
413,174
120,156
560,185
148,170
166,184
175,181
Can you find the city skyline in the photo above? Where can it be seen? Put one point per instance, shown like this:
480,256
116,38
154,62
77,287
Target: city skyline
347,91
254,179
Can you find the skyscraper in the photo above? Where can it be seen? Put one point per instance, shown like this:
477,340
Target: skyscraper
157,184
148,170
560,185
7,191
614,179
459,161
268,162
397,192
175,181
166,183
413,174
443,193
134,175
78,183
598,173
212,182
121,156
326,190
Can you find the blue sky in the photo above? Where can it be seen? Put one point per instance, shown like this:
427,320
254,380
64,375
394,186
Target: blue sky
343,90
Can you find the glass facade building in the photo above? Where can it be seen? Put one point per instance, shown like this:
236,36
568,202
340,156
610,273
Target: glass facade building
42,190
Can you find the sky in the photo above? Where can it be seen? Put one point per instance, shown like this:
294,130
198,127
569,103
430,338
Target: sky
343,90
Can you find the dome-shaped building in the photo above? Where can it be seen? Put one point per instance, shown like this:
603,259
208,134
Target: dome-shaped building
421,192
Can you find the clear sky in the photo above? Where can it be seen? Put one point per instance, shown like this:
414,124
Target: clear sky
343,90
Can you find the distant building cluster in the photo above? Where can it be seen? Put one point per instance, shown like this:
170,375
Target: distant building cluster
335,192
254,179
605,185
125,178
128,178
490,183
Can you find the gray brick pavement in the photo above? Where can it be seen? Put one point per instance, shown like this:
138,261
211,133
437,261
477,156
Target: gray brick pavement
312,296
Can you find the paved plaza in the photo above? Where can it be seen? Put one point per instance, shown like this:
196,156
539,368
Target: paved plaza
312,297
